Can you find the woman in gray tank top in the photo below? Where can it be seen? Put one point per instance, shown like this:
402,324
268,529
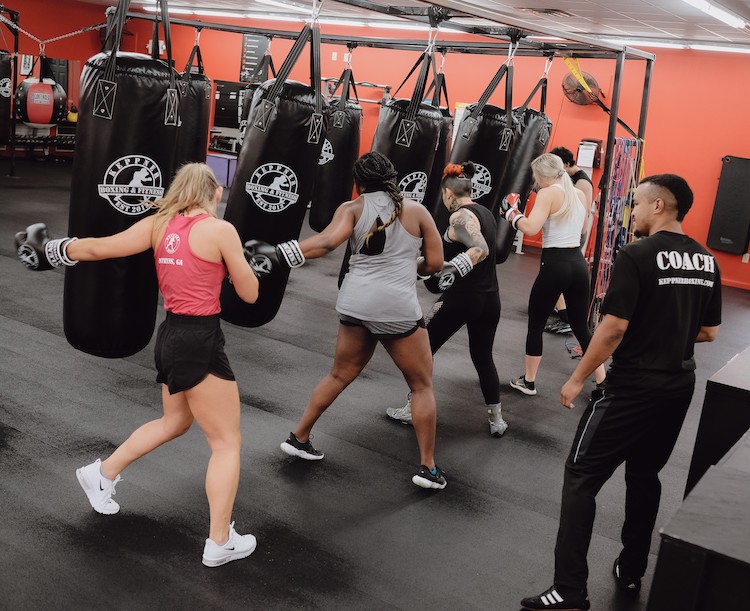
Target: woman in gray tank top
378,302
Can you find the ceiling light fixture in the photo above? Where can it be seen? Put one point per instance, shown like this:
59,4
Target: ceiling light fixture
267,17
343,22
699,47
656,44
218,13
717,13
286,5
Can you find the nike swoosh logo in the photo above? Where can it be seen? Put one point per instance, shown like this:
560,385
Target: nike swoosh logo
230,549
100,486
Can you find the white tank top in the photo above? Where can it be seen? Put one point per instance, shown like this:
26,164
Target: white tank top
564,232
381,283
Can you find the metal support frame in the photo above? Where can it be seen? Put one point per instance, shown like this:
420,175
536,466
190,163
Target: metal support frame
14,17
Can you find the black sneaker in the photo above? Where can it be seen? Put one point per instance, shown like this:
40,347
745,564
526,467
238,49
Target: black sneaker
626,584
523,385
552,599
425,479
294,447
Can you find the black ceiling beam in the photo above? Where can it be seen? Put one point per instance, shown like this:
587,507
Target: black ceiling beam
479,48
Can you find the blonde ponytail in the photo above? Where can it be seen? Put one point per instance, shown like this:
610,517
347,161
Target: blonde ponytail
551,166
193,186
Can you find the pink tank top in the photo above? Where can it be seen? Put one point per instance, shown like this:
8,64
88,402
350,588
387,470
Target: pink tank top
190,284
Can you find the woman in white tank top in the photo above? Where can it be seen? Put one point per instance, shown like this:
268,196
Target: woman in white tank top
560,211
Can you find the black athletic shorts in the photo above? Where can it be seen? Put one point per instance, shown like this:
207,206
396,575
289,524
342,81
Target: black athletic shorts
188,348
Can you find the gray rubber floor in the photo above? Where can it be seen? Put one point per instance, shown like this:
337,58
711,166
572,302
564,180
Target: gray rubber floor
350,532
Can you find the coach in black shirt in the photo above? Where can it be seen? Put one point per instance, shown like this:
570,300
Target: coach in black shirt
665,295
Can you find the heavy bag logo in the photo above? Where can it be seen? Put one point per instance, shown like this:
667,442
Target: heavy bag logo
273,187
414,186
5,87
481,182
172,243
132,184
326,154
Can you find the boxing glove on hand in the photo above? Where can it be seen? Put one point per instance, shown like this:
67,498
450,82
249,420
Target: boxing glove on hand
509,207
457,267
37,252
264,257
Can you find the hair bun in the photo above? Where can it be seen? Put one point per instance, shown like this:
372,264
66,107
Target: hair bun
469,169
453,169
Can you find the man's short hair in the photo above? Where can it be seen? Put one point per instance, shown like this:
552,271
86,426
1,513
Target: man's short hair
678,187
565,154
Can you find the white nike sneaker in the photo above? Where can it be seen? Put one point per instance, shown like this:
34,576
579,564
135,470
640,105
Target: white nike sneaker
402,414
236,548
98,488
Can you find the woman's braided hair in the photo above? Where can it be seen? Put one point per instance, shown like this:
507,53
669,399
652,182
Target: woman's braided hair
457,178
375,172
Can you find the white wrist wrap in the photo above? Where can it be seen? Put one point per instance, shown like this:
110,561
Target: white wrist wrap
462,263
420,276
57,252
292,253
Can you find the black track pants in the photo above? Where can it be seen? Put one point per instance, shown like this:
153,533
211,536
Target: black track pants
636,423
563,271
480,312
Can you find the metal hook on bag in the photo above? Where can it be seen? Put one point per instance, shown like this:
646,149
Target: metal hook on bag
197,36
547,66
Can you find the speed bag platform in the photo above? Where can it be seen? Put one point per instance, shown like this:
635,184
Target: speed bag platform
125,151
334,180
535,133
409,144
272,186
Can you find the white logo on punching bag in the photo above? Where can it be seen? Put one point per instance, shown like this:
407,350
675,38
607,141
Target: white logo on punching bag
326,154
131,184
5,87
273,187
172,243
414,186
481,182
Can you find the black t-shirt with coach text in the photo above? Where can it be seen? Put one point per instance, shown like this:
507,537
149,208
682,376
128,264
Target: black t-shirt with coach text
668,286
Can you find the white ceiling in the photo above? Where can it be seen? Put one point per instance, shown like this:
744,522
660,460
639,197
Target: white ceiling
641,20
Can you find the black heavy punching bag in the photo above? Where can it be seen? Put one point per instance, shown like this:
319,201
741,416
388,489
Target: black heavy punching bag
125,146
248,93
275,173
486,136
408,133
6,82
434,197
334,180
195,112
535,133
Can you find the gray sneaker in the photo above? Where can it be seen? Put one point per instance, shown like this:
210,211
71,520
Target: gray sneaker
401,414
498,426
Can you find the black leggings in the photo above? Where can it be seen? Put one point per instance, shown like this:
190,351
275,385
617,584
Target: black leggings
480,312
563,271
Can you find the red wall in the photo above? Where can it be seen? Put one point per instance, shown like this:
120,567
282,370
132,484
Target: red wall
697,111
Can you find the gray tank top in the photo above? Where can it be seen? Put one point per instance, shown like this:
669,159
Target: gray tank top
381,283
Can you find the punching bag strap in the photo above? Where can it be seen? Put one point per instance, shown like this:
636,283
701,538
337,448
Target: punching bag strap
171,112
195,54
541,84
106,88
316,120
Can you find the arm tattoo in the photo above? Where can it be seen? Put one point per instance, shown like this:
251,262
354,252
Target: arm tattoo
467,230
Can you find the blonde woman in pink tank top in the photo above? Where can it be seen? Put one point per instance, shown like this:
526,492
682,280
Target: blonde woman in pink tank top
193,251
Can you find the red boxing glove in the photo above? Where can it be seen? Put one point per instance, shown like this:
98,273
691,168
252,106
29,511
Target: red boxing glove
509,207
